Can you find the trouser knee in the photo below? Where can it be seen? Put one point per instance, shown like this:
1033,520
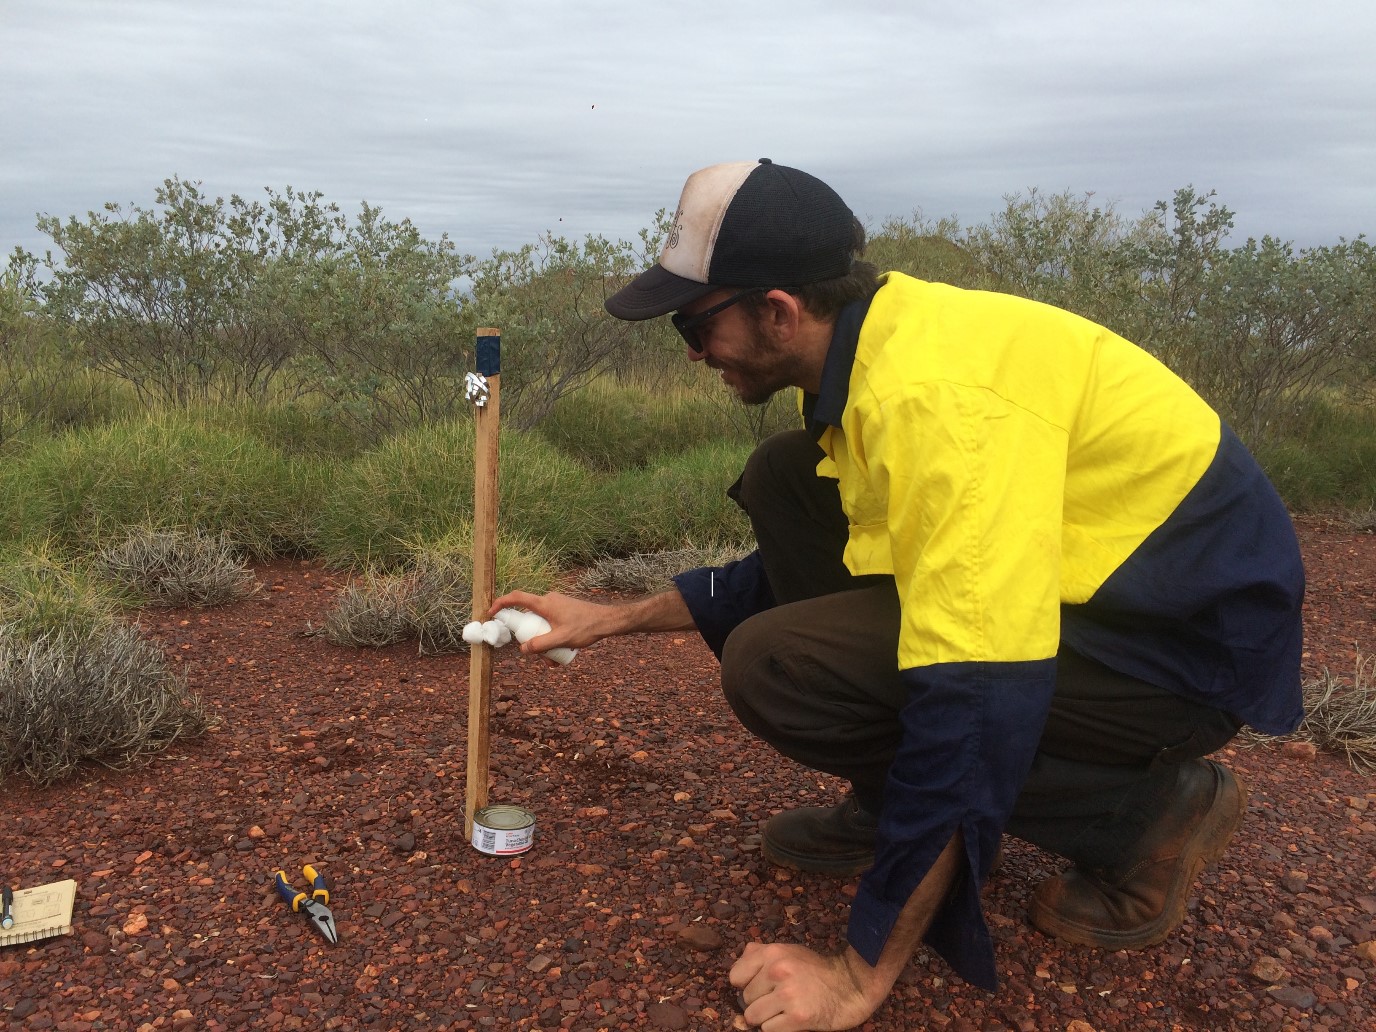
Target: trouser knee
781,468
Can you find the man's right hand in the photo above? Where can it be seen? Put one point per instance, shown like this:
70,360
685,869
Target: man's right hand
574,623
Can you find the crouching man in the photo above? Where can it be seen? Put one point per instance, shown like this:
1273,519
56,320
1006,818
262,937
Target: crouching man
1013,575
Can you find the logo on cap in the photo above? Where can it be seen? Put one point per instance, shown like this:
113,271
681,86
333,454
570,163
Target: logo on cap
676,229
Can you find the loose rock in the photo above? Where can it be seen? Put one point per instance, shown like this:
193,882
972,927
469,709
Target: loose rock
1300,999
701,937
1268,970
666,1015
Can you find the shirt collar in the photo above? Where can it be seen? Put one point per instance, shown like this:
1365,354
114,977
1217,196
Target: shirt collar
825,407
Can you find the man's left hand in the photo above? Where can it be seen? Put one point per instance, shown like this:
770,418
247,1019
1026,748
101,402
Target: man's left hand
789,988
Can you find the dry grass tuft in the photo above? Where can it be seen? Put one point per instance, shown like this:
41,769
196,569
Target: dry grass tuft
1339,716
178,568
652,571
100,694
1364,521
430,603
370,612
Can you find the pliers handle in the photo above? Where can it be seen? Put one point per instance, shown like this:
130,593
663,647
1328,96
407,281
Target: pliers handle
319,890
311,906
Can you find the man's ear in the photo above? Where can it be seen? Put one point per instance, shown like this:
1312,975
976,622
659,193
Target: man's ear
782,315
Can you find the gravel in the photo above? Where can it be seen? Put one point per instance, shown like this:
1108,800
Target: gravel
645,879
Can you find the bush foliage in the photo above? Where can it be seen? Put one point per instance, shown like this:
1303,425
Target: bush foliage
200,379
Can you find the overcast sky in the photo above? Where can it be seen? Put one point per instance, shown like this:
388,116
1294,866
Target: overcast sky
495,120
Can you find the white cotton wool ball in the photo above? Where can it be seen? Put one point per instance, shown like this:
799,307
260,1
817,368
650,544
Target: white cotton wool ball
473,632
496,633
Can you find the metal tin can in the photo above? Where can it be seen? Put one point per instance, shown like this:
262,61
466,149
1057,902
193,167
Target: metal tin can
503,830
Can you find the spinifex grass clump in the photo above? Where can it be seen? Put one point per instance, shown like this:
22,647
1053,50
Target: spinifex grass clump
1341,717
371,611
89,488
677,501
76,684
616,426
418,486
178,568
103,696
41,592
431,599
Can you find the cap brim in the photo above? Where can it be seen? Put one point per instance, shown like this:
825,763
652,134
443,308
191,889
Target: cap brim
655,292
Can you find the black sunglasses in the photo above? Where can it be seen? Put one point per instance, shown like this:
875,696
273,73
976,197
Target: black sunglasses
687,325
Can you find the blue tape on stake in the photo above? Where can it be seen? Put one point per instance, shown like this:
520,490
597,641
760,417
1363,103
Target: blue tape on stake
489,356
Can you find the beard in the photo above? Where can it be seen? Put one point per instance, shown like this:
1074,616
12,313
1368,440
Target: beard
765,369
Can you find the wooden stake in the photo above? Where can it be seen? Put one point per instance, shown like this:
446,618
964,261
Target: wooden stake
486,418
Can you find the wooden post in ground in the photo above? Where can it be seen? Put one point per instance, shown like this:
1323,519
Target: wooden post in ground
485,392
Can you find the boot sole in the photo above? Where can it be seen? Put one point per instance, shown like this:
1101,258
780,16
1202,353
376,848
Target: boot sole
1214,832
838,866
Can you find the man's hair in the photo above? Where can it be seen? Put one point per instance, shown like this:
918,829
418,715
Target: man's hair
824,299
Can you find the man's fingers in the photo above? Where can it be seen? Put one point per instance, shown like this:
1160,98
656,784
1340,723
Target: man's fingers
748,965
519,599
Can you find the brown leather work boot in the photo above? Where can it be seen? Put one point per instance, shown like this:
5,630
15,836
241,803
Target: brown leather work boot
824,839
1140,901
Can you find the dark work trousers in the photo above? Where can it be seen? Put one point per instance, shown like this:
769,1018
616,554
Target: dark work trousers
817,678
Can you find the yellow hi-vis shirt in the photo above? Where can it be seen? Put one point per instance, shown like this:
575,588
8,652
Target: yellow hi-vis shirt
992,458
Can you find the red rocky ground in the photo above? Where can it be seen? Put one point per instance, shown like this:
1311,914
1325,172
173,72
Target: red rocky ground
645,879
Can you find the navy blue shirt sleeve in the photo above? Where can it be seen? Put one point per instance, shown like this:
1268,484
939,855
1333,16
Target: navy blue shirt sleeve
970,731
720,597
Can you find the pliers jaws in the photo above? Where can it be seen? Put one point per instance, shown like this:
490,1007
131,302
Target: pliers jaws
311,906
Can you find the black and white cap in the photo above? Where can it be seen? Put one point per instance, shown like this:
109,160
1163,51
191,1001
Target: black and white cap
743,224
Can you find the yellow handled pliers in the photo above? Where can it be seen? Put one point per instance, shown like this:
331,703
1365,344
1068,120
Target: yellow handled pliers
311,906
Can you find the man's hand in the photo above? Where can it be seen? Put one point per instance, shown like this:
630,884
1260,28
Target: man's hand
788,988
575,622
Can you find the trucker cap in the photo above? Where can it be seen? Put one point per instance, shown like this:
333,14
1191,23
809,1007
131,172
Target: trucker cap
743,224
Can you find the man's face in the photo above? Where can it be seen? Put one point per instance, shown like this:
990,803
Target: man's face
743,348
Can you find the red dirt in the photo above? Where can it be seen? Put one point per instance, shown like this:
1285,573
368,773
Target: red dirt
645,879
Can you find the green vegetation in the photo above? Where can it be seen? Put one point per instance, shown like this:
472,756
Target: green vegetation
418,485
87,488
192,385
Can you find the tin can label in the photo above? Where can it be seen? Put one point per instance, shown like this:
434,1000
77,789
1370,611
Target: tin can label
503,830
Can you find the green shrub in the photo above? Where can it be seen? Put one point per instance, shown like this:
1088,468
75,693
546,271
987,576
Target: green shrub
1328,458
91,487
612,427
418,487
42,593
295,428
68,399
677,501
